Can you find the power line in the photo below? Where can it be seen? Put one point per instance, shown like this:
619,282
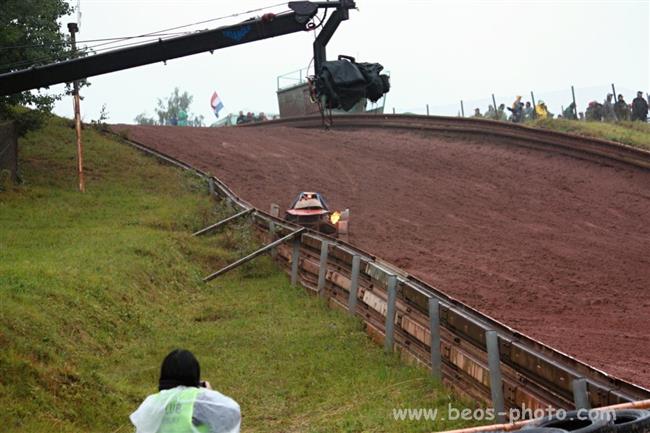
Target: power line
31,62
155,33
54,44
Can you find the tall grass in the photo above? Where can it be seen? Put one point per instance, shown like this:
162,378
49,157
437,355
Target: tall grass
631,133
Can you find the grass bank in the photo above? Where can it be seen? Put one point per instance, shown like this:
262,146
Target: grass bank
96,288
635,134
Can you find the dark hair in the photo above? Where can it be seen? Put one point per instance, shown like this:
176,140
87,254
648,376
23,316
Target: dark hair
179,368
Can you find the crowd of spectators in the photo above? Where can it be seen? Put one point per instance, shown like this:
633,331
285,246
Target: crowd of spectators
250,117
608,111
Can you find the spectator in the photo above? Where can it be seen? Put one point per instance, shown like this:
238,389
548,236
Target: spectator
184,403
517,110
639,108
621,109
262,117
250,117
182,118
608,109
491,113
541,111
241,118
581,115
529,112
477,113
594,112
501,113
569,112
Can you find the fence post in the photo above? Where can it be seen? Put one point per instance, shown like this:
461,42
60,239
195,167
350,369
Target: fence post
354,284
434,328
496,381
393,110
295,261
494,104
390,314
532,96
211,187
274,252
427,109
275,210
322,268
575,106
462,108
580,395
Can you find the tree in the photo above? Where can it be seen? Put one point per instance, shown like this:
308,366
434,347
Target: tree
30,36
173,108
142,119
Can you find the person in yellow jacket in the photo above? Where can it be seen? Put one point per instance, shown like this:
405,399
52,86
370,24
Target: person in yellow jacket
541,111
184,403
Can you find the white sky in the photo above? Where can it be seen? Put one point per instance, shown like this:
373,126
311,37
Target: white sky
437,52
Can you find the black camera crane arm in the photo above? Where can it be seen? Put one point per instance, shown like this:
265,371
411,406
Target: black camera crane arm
267,26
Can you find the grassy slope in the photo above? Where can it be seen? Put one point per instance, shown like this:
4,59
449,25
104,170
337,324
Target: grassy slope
635,134
96,288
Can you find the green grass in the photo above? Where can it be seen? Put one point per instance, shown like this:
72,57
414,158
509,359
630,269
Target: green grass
635,134
96,288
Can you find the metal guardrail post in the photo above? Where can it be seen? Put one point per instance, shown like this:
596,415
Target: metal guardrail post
211,187
223,222
275,210
322,268
390,314
434,328
580,395
274,252
354,284
295,261
253,255
496,381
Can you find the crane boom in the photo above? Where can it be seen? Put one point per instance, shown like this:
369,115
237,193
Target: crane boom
267,26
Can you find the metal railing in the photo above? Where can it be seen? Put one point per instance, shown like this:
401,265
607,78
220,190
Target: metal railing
293,78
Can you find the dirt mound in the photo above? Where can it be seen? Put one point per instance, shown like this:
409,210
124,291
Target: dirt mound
554,246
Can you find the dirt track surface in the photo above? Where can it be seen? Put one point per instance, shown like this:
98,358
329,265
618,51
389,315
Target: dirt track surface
554,246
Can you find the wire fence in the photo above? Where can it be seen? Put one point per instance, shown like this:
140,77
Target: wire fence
555,100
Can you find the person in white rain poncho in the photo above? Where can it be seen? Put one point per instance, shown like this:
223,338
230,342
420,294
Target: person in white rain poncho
184,403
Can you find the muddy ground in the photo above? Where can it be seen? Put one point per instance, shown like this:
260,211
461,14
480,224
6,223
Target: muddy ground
554,246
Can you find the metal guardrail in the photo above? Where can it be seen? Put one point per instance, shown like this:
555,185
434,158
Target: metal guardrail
472,353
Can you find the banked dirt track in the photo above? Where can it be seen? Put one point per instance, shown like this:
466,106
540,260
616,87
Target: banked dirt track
555,246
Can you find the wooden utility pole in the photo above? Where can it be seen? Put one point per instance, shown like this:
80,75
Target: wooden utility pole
73,29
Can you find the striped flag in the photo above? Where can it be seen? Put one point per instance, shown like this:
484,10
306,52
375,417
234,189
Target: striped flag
216,104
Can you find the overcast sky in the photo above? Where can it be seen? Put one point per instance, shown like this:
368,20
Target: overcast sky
437,52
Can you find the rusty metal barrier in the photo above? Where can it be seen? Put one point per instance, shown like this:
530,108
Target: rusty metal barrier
473,354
